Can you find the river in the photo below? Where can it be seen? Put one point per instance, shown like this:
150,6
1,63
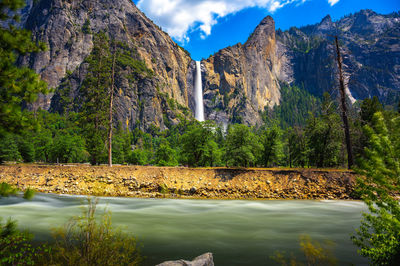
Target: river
236,232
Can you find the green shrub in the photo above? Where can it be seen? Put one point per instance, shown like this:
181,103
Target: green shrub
7,190
314,252
9,149
138,157
85,241
16,247
86,27
29,193
26,148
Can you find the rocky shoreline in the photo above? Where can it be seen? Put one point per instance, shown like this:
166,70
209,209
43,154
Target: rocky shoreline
182,182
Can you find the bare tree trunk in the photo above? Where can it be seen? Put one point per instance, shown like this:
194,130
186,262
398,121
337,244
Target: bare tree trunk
110,125
344,108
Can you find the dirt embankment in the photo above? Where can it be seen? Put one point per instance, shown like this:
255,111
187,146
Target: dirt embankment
180,182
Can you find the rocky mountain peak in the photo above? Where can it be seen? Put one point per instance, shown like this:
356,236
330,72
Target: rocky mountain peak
263,33
325,24
367,12
326,19
268,20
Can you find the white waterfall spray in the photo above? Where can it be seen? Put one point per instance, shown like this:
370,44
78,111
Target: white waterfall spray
198,94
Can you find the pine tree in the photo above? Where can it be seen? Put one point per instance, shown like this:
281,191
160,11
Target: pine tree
324,136
241,146
95,100
17,84
198,145
379,233
270,146
296,146
368,108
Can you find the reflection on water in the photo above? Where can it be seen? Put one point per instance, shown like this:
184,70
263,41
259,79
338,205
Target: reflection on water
236,232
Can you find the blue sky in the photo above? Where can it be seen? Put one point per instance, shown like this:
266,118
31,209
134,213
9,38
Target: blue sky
205,26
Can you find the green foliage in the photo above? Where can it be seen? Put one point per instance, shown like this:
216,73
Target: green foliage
296,147
86,241
16,247
315,253
86,27
294,108
26,148
7,190
271,146
121,147
241,146
68,149
324,136
43,143
368,108
125,58
165,155
29,194
199,147
139,157
95,97
17,84
9,148
379,234
96,91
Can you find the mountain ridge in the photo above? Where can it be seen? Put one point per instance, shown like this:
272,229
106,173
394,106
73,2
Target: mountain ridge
305,57
239,81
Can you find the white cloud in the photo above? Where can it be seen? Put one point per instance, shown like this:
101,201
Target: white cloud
333,2
178,17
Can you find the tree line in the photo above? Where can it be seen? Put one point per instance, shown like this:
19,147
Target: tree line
70,138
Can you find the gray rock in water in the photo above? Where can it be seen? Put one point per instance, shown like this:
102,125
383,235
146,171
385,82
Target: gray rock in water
203,260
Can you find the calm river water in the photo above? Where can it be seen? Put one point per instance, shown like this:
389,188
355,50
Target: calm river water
236,232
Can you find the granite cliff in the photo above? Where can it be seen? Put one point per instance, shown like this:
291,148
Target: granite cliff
242,80
239,82
68,29
371,48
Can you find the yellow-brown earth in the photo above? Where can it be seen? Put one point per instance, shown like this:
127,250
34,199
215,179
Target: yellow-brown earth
182,182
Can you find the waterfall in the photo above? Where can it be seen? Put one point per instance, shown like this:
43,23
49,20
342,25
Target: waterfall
198,94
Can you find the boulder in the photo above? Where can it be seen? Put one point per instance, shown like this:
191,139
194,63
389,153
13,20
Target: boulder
203,260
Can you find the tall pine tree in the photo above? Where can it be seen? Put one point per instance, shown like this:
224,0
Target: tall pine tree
95,98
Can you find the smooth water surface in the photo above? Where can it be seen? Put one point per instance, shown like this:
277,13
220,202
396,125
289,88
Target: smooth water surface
236,232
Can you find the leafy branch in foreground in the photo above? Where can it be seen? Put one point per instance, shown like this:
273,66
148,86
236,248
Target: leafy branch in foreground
16,247
17,84
85,241
379,234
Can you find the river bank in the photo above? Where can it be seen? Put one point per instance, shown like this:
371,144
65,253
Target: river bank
182,182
